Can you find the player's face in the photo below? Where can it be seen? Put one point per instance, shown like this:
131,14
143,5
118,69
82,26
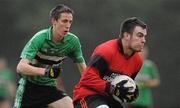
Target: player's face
137,39
62,25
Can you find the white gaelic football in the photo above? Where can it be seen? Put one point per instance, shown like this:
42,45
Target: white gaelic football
130,84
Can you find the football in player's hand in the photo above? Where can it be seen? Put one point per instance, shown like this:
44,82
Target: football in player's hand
124,88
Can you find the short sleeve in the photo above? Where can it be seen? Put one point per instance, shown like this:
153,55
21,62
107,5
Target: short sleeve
76,53
31,48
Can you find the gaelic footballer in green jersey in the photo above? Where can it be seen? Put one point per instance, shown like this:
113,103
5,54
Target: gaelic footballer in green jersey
41,60
147,79
42,51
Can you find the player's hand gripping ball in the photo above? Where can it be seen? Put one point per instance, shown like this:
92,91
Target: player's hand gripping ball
124,89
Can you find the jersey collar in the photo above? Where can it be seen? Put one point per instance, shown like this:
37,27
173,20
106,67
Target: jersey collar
49,37
49,33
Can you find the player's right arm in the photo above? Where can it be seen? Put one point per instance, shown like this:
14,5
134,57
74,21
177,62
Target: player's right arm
25,68
28,54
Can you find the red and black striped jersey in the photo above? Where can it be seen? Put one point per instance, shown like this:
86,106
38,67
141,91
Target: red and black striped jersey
107,61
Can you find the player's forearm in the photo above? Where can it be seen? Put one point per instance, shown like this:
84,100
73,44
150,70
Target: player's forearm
81,67
26,69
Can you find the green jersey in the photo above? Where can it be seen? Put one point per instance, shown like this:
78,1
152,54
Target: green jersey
148,72
42,51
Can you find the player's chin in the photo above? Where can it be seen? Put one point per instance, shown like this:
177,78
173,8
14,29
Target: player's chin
138,49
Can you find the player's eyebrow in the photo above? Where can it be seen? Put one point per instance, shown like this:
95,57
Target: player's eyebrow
141,34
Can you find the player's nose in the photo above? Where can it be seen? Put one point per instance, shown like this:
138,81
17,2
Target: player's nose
143,39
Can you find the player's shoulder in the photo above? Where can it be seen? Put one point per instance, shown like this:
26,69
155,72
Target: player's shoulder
71,38
107,48
109,45
41,35
42,32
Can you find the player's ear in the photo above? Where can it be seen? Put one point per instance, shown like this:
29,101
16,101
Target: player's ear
126,35
53,20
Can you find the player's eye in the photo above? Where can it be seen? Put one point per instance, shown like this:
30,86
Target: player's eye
70,22
140,34
64,21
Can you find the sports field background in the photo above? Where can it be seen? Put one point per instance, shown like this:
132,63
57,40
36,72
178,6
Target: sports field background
96,21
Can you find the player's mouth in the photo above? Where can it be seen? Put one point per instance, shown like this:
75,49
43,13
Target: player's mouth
65,32
141,47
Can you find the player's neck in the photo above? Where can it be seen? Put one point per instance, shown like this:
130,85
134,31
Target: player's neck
127,51
56,37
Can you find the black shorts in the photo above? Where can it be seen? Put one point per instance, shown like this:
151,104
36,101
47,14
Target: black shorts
94,101
39,96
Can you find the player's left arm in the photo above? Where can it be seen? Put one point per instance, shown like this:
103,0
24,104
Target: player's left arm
154,72
81,67
77,56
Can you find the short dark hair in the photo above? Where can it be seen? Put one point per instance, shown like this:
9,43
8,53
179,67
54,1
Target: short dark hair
57,10
129,24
